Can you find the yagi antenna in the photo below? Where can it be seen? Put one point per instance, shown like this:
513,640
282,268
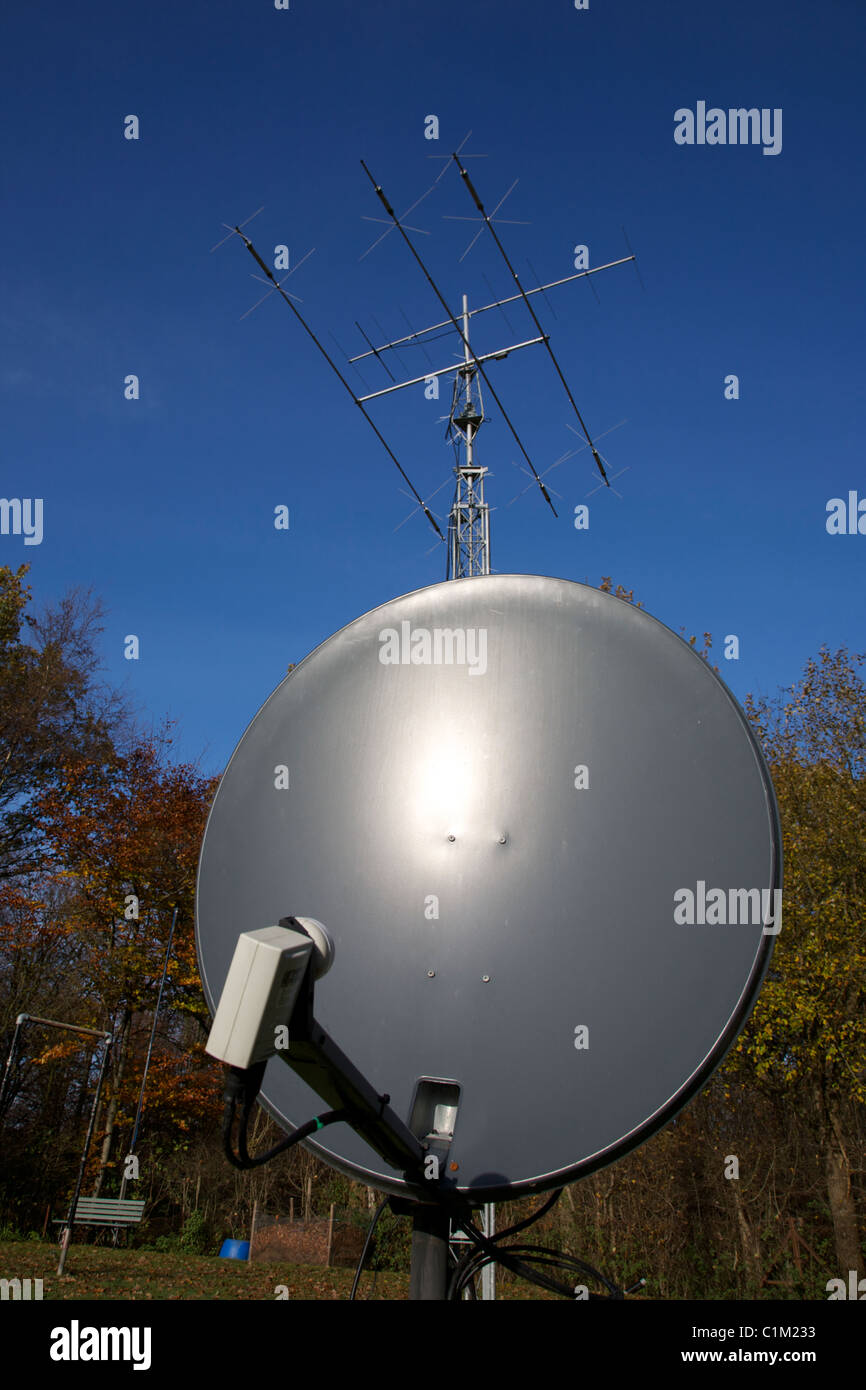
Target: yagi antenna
497,304
462,334
516,278
335,369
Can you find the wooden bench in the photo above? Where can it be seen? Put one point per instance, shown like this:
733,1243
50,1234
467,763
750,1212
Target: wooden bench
106,1211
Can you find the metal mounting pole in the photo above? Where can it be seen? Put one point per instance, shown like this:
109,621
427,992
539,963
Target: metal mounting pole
469,523
428,1279
488,1273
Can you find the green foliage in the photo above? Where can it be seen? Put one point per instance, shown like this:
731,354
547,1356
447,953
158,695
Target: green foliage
337,1189
393,1242
167,1244
195,1237
808,1029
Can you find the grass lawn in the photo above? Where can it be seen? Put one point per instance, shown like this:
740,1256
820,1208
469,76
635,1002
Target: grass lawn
97,1272
101,1272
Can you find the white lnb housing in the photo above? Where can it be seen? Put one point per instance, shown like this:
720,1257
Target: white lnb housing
258,995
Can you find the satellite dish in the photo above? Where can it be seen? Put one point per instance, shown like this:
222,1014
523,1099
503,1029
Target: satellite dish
544,841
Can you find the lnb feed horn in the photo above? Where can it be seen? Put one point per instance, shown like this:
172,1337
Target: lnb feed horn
266,1010
262,986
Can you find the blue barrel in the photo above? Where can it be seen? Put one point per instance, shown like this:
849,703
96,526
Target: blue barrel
235,1250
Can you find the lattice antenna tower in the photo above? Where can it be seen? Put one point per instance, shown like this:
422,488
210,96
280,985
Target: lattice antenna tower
469,521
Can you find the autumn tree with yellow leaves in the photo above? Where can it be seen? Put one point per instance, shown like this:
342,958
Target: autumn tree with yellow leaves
806,1040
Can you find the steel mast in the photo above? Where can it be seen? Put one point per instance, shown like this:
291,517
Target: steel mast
469,519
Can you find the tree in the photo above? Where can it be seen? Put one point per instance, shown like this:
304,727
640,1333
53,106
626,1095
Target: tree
125,837
51,707
806,1038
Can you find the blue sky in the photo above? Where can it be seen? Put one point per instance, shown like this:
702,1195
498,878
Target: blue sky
164,506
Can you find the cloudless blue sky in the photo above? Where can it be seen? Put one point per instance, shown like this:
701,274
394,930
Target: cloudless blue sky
753,265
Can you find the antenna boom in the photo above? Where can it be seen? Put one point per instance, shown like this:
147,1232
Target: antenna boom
480,206
335,369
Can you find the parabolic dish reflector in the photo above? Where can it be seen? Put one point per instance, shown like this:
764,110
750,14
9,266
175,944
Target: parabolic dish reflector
545,842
